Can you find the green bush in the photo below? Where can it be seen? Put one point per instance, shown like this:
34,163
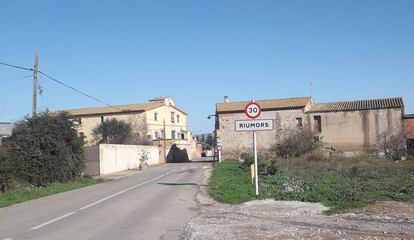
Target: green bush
267,163
113,131
7,176
43,149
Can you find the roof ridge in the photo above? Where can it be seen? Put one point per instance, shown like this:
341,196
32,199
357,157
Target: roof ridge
359,100
354,105
272,99
123,105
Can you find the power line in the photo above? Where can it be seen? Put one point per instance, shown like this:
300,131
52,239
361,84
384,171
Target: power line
15,66
76,90
15,79
61,83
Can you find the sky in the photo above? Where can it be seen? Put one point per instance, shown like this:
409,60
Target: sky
199,51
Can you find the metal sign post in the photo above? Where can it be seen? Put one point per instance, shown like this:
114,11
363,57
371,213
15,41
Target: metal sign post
252,111
219,148
256,176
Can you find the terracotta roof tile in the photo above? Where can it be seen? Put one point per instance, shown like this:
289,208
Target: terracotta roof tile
272,104
396,102
110,110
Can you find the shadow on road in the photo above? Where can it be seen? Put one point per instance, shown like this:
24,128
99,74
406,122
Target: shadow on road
201,160
182,184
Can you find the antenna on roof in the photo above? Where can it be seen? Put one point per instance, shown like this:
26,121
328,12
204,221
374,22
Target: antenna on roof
310,88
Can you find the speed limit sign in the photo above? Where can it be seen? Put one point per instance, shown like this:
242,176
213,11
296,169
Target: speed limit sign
253,110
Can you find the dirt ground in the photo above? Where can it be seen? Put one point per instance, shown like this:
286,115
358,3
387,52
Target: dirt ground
269,219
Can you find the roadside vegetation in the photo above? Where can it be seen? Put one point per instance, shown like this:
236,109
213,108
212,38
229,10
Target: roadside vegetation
43,156
312,176
25,192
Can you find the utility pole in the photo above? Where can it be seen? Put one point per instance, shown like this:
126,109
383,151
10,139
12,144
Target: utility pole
35,70
165,143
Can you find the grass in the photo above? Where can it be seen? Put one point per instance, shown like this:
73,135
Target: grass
22,193
337,183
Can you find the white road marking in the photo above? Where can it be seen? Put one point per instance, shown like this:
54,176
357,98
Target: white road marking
97,202
52,221
125,190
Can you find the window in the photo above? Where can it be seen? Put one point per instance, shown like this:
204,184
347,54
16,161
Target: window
155,116
172,117
173,134
82,135
317,124
182,135
157,135
178,118
299,122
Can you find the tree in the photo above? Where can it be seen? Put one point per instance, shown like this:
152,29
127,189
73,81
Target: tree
393,144
113,131
210,140
43,149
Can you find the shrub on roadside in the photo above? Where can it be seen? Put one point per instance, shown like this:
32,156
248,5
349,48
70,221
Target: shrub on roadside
267,164
7,176
113,131
316,155
296,143
392,144
43,149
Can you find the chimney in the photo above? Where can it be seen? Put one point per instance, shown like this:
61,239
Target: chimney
226,99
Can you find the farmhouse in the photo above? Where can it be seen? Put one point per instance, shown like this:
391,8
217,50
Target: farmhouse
157,119
348,126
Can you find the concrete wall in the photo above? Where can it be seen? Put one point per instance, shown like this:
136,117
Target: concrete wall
191,149
234,143
355,131
109,158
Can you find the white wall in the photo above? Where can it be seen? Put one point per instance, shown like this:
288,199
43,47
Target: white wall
115,157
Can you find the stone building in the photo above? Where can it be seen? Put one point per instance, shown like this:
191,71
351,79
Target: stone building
349,126
148,119
6,130
409,132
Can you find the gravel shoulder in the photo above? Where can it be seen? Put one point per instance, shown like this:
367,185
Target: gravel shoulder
269,219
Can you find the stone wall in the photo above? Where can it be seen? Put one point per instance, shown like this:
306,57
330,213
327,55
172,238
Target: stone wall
234,143
348,131
356,131
409,128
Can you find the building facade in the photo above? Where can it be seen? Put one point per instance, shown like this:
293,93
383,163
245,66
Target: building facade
409,132
6,130
350,126
155,120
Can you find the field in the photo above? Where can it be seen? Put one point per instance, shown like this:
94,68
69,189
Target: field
339,184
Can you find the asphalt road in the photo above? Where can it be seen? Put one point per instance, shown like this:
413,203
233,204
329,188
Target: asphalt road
153,204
